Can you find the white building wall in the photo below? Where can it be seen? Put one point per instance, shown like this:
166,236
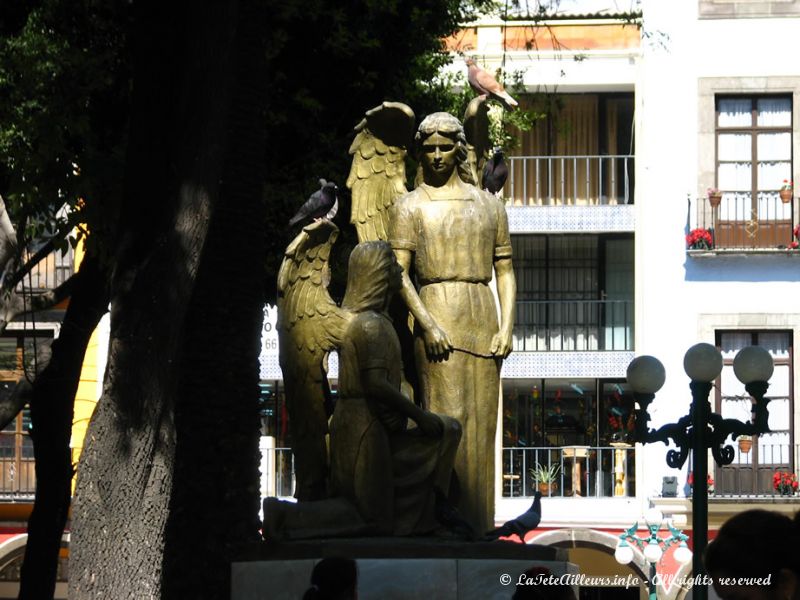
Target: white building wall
681,300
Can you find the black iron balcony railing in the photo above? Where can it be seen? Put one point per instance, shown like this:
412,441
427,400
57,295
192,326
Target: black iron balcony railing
736,223
17,473
570,180
589,471
573,325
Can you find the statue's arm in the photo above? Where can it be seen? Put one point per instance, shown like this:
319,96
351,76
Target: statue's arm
437,342
376,386
506,293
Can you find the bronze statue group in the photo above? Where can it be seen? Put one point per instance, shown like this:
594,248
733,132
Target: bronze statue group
394,459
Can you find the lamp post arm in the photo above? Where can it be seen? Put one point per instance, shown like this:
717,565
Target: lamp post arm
677,432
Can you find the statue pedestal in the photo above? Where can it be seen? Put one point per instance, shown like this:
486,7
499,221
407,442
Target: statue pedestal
395,568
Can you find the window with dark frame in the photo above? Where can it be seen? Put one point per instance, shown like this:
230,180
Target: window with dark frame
753,468
753,159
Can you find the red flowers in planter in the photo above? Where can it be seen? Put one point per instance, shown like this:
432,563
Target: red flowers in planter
699,239
784,482
709,479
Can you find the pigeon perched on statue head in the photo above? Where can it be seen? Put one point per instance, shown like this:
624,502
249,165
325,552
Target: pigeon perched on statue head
527,521
322,204
495,172
485,84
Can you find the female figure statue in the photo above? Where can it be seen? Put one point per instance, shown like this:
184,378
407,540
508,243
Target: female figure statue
456,238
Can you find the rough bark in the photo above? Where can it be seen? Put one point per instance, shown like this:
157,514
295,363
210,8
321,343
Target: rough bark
52,401
216,497
174,164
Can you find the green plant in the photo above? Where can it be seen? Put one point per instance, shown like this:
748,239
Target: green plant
548,474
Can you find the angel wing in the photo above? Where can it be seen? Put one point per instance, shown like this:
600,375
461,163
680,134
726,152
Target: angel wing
476,129
310,325
378,171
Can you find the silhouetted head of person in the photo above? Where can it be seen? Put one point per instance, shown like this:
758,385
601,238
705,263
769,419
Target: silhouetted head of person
333,578
539,583
755,557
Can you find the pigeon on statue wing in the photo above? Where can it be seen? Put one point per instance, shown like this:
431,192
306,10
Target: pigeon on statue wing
322,204
527,521
495,172
485,84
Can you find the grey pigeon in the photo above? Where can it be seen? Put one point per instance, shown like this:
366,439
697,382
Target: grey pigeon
322,204
527,521
495,172
485,84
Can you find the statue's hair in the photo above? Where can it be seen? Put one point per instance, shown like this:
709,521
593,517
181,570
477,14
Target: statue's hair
448,126
368,276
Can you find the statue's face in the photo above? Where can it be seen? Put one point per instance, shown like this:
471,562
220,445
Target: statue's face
438,155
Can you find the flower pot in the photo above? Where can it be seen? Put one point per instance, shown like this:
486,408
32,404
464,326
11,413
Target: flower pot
548,489
786,196
745,444
714,199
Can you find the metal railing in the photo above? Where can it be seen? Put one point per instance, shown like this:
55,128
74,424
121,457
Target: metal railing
736,224
17,478
588,471
50,272
751,473
570,180
573,325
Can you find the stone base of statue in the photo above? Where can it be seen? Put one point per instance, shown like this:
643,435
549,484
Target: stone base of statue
396,568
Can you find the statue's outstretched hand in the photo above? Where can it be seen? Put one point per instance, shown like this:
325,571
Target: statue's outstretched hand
437,342
430,424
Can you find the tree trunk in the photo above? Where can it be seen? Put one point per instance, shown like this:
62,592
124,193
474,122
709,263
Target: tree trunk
51,417
174,164
215,498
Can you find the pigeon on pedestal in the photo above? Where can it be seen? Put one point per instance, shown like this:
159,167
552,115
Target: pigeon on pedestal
485,84
527,521
322,204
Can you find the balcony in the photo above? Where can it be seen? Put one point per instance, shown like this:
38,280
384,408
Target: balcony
573,325
17,472
738,224
751,474
596,180
584,471
50,272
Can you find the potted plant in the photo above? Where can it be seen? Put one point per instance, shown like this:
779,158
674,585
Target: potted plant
796,233
699,239
714,197
546,477
709,482
785,483
745,443
786,191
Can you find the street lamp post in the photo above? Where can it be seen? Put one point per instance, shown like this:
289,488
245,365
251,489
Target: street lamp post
701,428
654,546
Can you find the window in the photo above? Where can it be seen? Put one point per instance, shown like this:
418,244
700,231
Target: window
17,475
751,471
580,425
754,157
574,292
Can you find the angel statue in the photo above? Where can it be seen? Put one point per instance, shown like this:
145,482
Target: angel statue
384,473
451,238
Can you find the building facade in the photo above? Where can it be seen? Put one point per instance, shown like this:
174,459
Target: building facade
649,106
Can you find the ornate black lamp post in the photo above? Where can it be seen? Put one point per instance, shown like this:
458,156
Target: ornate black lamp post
701,429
